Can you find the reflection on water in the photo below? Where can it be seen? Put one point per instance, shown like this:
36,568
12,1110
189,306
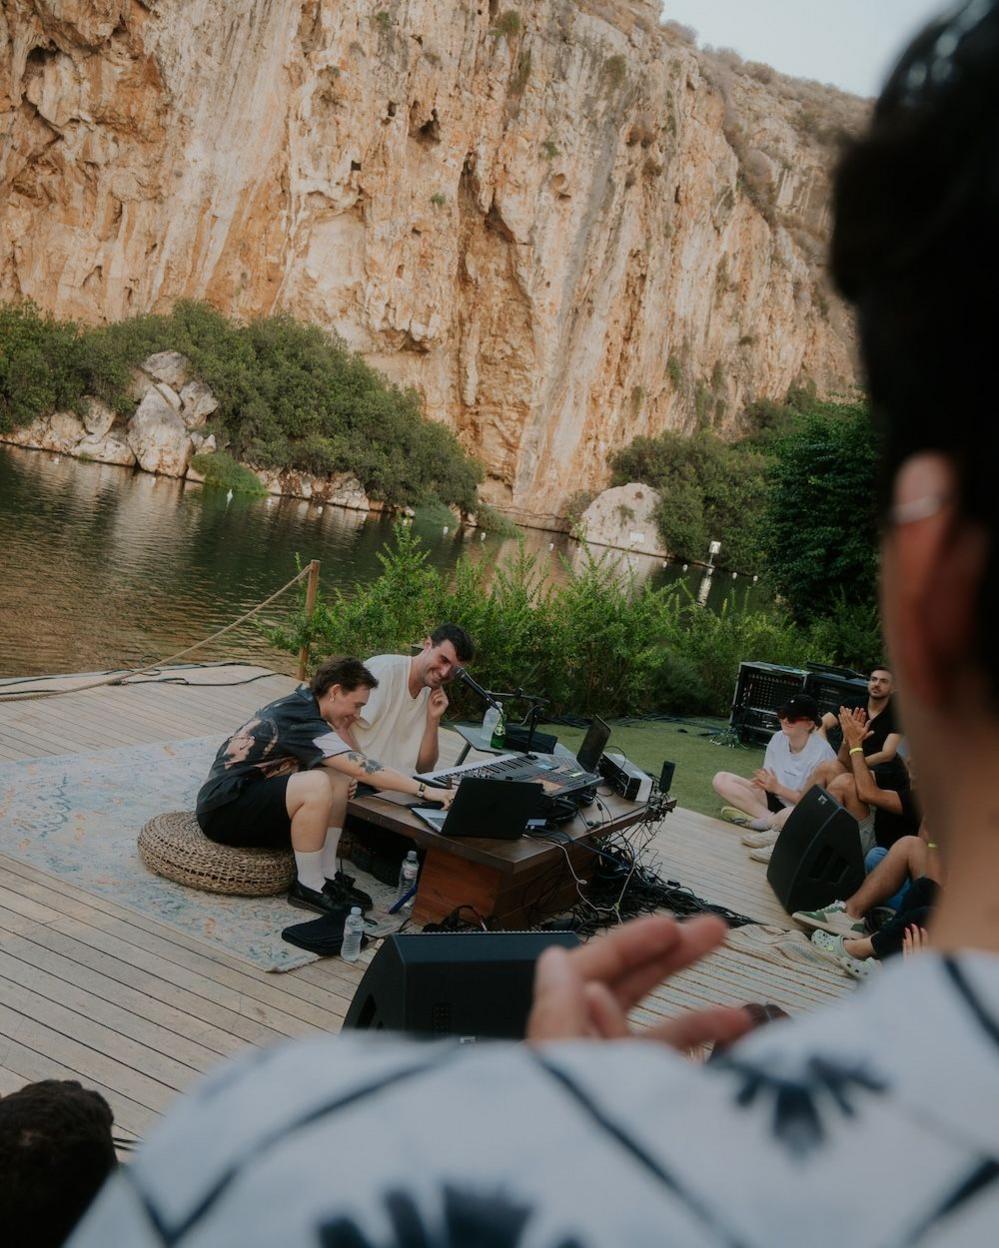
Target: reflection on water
103,566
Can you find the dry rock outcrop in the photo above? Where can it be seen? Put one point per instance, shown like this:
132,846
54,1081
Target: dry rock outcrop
559,221
624,516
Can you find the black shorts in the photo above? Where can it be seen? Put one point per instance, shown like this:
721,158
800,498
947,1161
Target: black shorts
258,817
774,804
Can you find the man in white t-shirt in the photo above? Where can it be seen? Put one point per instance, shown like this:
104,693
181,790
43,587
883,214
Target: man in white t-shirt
792,754
873,1122
401,721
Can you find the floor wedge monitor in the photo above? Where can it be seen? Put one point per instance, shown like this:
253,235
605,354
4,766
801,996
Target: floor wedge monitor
469,984
817,857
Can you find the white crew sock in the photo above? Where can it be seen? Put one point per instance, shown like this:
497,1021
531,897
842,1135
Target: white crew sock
309,868
329,852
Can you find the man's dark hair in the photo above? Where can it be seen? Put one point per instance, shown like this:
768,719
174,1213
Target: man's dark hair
464,648
55,1153
916,205
348,673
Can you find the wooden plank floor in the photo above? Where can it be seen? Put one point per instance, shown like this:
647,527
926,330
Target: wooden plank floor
91,990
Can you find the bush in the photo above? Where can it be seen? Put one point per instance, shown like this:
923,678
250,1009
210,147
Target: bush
820,519
220,469
710,490
599,643
290,395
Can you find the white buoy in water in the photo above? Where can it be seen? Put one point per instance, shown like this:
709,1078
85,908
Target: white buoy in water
551,545
735,576
686,566
482,536
446,530
320,510
228,497
270,499
755,579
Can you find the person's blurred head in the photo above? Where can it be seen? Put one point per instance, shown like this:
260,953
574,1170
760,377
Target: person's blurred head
916,205
55,1153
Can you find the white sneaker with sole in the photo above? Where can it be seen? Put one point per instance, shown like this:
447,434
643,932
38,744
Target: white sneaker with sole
756,840
832,918
762,854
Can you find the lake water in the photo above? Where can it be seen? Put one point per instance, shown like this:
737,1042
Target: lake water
104,567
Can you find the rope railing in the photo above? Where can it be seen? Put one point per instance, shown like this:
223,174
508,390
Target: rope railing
119,678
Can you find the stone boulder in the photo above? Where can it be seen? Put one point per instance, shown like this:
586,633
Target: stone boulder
624,517
59,432
108,448
170,367
97,417
197,403
338,490
158,436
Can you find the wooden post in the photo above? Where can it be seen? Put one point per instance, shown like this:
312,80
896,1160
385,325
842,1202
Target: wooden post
310,606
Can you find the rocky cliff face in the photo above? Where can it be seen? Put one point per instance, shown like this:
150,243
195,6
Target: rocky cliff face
563,224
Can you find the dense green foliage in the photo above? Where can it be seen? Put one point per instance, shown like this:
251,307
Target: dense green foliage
820,520
711,490
220,469
290,396
595,644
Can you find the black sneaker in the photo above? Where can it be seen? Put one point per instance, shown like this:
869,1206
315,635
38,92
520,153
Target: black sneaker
312,899
341,889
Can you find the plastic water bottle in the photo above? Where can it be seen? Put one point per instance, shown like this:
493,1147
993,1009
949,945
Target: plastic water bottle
498,739
408,872
350,950
489,721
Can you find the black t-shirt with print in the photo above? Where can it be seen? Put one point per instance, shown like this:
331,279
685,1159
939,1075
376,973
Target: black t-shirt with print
285,736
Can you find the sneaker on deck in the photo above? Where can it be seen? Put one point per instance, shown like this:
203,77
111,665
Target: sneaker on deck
732,814
831,947
763,854
757,840
834,919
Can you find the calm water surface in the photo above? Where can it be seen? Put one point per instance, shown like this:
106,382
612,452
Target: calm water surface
104,567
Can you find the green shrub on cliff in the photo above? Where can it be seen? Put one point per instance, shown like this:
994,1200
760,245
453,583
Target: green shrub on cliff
222,471
290,395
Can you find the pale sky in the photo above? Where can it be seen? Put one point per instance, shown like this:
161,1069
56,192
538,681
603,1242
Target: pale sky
849,43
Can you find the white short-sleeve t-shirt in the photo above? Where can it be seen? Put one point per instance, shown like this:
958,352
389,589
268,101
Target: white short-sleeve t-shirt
792,770
392,725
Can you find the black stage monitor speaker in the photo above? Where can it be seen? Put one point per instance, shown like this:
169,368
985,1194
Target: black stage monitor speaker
818,856
474,984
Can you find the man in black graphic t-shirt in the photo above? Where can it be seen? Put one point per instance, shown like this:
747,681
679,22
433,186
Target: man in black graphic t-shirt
285,776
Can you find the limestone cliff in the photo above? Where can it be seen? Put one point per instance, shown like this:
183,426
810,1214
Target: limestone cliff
562,223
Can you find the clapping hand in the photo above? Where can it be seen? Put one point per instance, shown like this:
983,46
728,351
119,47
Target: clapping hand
854,725
586,993
915,940
766,780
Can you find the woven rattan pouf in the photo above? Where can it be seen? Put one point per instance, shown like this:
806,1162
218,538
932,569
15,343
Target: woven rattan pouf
174,846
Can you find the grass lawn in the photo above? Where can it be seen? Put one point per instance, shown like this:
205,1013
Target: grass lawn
689,745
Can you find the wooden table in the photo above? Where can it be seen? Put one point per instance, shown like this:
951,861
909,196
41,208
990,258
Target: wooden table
513,883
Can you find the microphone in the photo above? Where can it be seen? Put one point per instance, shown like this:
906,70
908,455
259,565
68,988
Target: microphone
475,687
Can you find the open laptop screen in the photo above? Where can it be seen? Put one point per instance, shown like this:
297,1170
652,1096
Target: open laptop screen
596,738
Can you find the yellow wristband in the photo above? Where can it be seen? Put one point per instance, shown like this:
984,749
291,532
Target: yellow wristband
857,749
931,845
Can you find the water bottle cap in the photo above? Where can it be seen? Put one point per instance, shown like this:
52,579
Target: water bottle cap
411,856
355,909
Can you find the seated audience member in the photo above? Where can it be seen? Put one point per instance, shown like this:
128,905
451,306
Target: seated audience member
840,928
285,777
870,1122
883,738
400,723
791,757
56,1151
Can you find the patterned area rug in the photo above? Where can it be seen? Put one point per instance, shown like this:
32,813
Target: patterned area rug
78,816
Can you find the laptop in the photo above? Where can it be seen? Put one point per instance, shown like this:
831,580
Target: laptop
495,808
591,751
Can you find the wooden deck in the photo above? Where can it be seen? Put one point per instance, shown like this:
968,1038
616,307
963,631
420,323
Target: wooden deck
91,990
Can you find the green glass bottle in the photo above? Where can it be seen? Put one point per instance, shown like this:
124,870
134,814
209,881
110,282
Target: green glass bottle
498,739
